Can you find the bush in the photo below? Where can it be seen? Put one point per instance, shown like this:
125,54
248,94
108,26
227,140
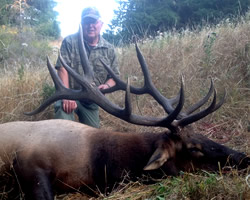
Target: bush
49,29
22,47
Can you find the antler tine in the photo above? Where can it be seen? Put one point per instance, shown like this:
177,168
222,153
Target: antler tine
148,87
82,80
184,118
202,101
218,105
147,78
92,93
57,82
88,71
173,115
197,116
120,85
61,91
152,121
128,105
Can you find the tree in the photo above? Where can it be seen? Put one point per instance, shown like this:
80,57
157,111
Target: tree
42,10
38,14
148,17
144,17
192,12
5,14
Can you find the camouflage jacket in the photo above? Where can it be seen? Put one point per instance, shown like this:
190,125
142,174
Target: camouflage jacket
70,52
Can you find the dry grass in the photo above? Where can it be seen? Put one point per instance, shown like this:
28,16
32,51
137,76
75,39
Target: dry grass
20,95
221,52
202,185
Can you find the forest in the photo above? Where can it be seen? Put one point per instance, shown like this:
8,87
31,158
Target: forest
148,18
141,18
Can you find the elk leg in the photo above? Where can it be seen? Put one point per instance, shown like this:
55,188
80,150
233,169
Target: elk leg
35,182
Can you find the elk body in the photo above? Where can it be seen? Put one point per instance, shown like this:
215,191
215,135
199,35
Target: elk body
59,155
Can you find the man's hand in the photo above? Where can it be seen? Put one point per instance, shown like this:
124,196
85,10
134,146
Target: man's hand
103,86
109,83
69,106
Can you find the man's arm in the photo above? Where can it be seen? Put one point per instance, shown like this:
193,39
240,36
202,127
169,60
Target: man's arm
109,83
114,66
63,74
68,105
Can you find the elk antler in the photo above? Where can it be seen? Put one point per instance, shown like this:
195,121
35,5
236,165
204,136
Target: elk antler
90,92
184,118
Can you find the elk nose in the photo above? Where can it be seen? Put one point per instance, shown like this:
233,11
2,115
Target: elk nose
245,162
248,161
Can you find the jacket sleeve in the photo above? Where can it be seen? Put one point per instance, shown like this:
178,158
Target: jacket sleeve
114,63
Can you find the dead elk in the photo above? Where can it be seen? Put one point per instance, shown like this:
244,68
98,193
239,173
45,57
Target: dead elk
58,155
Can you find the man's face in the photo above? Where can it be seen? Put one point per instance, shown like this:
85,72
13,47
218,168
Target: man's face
91,28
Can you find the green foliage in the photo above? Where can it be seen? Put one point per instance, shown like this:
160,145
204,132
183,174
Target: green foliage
5,14
202,185
22,48
195,11
6,37
164,190
47,90
197,187
145,18
34,13
209,42
50,29
20,73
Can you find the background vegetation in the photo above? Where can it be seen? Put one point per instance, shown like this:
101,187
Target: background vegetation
36,14
221,52
145,18
218,50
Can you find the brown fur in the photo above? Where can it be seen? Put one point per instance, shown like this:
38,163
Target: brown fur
62,155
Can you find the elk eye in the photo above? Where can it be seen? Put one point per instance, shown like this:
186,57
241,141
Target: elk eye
216,149
194,149
195,152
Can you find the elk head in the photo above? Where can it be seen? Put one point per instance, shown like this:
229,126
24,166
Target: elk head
180,148
199,152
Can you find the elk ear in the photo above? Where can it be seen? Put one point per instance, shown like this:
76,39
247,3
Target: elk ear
158,158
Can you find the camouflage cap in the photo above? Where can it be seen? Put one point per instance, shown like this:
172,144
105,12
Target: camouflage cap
91,12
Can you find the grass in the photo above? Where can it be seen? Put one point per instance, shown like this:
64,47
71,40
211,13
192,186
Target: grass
221,52
202,185
190,186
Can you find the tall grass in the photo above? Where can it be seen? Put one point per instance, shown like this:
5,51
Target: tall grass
221,52
23,72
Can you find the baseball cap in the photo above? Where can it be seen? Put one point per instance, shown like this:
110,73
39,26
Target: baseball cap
91,12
